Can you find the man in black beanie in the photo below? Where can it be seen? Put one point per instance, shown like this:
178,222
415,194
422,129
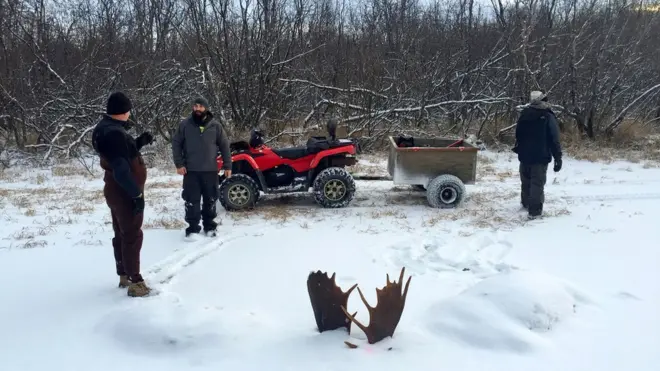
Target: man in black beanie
125,176
194,150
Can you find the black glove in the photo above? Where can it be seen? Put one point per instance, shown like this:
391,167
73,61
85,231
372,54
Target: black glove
557,165
138,204
144,139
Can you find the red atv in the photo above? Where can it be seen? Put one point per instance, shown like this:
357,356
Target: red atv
320,165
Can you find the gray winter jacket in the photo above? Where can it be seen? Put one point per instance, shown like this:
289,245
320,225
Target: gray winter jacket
197,149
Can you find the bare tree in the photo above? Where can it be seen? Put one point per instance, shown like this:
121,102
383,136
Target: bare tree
380,66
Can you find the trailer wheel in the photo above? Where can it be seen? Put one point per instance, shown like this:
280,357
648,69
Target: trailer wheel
445,192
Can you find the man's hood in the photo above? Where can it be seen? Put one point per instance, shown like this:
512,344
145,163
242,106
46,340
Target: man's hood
539,104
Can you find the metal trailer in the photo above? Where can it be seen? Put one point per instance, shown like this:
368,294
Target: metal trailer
441,166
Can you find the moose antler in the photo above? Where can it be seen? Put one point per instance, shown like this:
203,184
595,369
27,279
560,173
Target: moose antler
328,301
385,316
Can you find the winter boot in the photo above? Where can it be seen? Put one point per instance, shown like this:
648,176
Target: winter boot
138,287
192,229
210,228
535,212
124,282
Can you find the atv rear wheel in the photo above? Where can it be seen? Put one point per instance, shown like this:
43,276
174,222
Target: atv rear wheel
334,187
239,192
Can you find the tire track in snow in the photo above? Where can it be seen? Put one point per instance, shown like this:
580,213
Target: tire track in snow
167,269
613,197
574,182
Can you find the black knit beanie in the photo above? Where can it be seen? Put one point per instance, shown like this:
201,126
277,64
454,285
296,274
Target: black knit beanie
202,102
118,103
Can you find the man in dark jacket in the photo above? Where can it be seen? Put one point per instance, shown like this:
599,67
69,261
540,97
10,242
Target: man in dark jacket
537,142
125,176
194,150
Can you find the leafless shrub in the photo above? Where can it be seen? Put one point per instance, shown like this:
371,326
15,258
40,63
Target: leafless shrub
382,68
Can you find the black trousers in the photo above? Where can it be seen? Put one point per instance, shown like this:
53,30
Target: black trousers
200,186
533,179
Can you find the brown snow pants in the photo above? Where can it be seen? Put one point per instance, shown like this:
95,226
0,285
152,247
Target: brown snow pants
533,179
128,236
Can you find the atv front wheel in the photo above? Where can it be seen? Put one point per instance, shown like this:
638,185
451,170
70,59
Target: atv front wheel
221,178
238,192
334,187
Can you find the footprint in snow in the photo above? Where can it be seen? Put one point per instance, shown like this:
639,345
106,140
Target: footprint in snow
627,296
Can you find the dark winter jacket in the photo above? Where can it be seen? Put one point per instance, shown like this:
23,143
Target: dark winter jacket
195,145
125,171
537,135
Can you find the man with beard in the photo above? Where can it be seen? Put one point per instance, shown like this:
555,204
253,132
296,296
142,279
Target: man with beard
537,142
194,150
125,176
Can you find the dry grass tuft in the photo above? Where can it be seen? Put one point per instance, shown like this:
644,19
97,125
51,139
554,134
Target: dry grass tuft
27,234
94,196
164,185
388,213
281,214
632,142
40,179
21,202
44,191
483,159
557,212
408,198
24,234
10,175
82,208
31,244
89,243
366,169
60,220
504,175
370,230
484,171
68,171
165,222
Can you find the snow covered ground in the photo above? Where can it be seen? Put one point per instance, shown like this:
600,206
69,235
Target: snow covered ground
577,290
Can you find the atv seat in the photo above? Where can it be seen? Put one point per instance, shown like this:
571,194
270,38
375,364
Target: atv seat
318,144
292,153
314,146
